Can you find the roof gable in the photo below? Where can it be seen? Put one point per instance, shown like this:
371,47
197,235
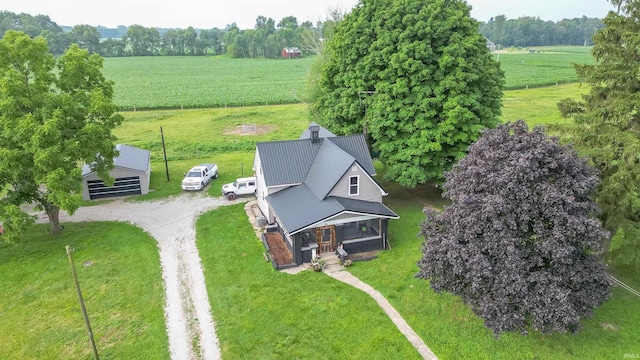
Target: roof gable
323,133
319,164
327,169
356,146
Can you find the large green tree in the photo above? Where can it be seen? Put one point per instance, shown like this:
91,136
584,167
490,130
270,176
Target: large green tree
55,114
417,78
608,128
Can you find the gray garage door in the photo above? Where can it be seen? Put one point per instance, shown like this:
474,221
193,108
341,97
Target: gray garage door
121,187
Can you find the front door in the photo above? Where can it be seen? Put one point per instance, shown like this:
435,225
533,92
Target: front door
326,236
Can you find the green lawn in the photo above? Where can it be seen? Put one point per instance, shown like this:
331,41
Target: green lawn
195,136
261,313
118,269
264,314
451,329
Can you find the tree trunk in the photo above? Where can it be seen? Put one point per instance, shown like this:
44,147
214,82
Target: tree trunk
53,212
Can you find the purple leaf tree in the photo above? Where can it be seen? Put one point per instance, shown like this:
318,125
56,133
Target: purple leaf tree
519,242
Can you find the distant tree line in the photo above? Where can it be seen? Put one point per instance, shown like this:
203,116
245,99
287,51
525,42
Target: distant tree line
266,39
532,31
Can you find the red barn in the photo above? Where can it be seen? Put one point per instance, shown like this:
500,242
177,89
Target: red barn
291,52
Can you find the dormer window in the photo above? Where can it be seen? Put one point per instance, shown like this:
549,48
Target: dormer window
354,185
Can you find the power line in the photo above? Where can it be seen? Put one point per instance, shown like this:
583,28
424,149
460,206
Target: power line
625,286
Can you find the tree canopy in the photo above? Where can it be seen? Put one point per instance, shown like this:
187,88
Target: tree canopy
608,124
417,78
532,31
55,114
518,243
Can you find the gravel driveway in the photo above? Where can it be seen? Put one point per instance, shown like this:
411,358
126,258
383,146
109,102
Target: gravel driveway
172,223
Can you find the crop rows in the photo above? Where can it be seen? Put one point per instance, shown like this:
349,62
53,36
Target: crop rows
164,82
524,70
192,82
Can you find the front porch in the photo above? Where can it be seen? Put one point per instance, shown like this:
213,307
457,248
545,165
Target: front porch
356,237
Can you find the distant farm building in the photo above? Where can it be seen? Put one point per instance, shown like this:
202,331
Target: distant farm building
291,52
131,172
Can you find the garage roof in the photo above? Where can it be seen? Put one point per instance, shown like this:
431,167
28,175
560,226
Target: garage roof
130,157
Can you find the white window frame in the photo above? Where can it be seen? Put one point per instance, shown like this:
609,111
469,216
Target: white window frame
357,185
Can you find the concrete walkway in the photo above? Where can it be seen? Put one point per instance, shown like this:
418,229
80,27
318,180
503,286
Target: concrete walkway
393,314
338,272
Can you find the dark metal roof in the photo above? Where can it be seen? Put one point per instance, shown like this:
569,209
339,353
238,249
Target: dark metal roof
295,161
130,157
297,207
328,167
286,162
356,145
366,207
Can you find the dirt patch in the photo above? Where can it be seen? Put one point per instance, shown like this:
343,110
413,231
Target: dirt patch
608,326
364,256
250,129
278,250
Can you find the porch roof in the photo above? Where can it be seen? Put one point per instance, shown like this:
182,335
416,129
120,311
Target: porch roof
297,208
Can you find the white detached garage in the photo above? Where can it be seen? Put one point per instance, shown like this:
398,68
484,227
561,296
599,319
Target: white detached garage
131,172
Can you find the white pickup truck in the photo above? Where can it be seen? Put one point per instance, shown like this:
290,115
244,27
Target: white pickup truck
199,176
242,186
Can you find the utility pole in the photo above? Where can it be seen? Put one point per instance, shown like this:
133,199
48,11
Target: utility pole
364,121
84,310
164,149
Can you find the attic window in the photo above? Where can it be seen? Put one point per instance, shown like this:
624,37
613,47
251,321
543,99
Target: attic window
354,185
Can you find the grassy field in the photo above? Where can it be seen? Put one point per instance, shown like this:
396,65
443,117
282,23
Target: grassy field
261,313
162,82
195,136
544,67
118,269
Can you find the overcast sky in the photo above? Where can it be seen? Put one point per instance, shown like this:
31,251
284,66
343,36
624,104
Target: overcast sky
207,14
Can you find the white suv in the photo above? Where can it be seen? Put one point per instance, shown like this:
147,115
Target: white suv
242,186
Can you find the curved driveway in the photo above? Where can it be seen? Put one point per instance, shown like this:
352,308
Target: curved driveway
171,222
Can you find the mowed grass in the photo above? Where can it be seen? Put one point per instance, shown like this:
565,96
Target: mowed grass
162,82
118,269
173,82
261,313
195,136
453,331
264,314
